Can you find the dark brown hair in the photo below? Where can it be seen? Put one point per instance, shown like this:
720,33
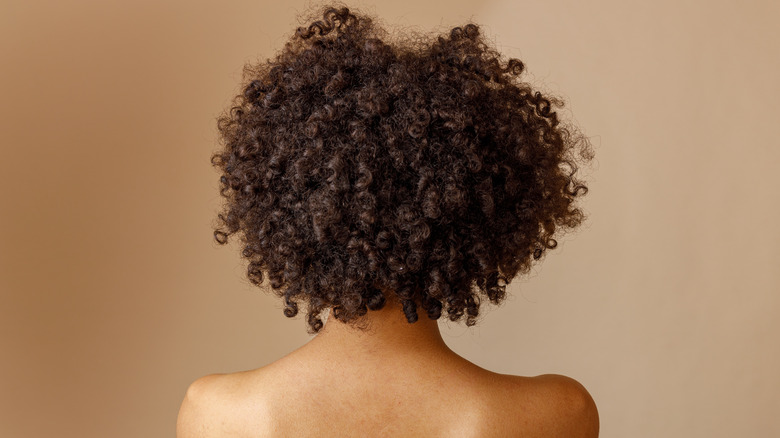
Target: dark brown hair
354,167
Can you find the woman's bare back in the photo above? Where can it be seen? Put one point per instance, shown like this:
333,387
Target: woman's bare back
416,395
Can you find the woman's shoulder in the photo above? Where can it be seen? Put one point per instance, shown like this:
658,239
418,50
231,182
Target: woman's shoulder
223,404
555,404
505,405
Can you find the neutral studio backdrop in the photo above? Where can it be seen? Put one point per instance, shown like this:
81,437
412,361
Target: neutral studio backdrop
114,297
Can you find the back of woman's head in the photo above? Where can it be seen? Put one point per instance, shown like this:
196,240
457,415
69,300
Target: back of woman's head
354,167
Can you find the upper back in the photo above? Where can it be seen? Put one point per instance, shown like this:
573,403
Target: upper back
289,398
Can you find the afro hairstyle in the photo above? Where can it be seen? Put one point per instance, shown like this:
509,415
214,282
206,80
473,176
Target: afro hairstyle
357,168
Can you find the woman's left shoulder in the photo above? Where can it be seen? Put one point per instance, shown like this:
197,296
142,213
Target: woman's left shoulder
217,405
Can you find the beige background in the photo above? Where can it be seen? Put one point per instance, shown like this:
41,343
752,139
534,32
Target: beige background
114,297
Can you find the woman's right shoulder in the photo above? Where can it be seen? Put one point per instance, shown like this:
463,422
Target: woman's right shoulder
555,405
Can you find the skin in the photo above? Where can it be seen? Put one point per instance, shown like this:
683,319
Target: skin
397,379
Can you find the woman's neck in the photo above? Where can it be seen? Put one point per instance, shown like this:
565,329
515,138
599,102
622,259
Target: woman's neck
388,335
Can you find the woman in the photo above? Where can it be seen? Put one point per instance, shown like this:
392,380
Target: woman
385,186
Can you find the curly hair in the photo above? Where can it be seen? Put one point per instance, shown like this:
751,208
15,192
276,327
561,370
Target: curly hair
354,168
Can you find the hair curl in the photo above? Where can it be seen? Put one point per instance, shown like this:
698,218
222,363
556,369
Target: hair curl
353,168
